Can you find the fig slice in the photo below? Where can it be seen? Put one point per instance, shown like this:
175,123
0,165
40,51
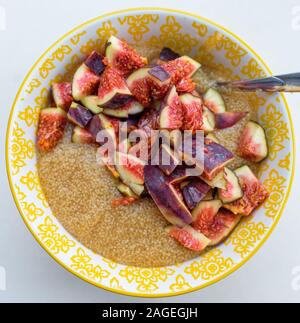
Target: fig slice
51,128
79,115
82,136
192,112
171,114
101,122
216,157
189,238
168,54
233,189
215,223
62,95
217,182
85,82
254,193
126,190
166,197
138,83
253,143
93,103
131,108
130,168
194,192
180,68
159,73
123,57
179,175
228,119
209,121
214,101
168,160
113,91
186,85
94,63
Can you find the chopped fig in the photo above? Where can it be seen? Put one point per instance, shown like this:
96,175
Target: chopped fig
209,121
168,54
168,160
217,182
216,157
179,175
214,101
51,128
130,168
130,108
253,143
195,192
92,102
192,112
123,57
101,122
171,115
166,197
126,190
79,115
113,91
124,146
94,63
149,121
214,223
186,85
181,67
138,83
62,95
82,136
138,189
228,119
159,73
85,82
254,193
233,189
189,238
213,138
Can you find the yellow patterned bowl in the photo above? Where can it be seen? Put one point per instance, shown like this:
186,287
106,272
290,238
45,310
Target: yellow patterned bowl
188,34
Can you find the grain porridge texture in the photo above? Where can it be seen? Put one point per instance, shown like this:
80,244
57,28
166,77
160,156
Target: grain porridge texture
80,194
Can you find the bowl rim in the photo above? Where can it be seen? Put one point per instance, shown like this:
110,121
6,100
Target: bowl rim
292,145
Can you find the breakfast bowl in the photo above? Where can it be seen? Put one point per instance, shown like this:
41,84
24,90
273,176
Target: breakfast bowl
215,48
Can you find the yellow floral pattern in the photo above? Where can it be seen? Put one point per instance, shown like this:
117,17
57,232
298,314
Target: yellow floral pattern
246,236
276,186
21,149
81,262
180,285
48,232
139,25
146,278
276,130
212,48
210,265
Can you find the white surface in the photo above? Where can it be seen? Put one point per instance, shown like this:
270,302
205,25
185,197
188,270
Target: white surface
272,28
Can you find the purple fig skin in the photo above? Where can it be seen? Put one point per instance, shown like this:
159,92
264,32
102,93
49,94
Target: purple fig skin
178,175
165,197
168,54
195,192
160,73
171,161
228,119
216,157
94,126
79,115
94,63
117,101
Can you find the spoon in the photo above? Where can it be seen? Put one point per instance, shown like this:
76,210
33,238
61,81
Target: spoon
282,83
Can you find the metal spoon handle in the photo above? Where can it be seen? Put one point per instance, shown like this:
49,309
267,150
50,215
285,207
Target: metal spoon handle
282,83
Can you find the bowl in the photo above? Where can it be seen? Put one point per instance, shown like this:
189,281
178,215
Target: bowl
188,34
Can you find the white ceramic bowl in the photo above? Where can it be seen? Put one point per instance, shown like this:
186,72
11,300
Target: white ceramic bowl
188,34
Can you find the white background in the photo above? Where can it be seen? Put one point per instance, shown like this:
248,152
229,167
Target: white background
33,25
